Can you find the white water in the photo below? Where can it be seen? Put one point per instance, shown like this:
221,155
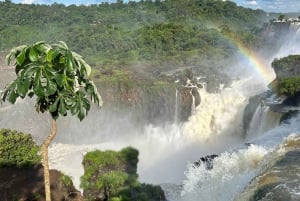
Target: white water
291,45
218,114
263,120
176,107
233,170
165,152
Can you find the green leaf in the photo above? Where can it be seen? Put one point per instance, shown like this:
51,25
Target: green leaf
59,78
3,95
12,97
49,56
23,86
81,114
51,87
21,57
53,107
42,47
33,54
13,53
70,68
62,108
38,88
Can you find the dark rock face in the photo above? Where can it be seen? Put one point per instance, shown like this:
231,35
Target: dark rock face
28,185
207,161
148,101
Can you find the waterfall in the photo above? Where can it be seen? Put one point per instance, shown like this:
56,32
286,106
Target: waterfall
176,107
193,105
218,114
291,44
263,120
227,173
233,170
294,26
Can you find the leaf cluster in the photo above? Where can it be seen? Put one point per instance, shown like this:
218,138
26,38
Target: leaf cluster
18,149
58,77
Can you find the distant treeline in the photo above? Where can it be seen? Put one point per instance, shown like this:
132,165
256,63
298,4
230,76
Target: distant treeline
119,34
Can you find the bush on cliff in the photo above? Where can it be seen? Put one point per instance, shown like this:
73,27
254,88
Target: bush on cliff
18,149
112,176
287,66
287,71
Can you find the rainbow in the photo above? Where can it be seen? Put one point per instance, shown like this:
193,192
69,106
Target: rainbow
260,66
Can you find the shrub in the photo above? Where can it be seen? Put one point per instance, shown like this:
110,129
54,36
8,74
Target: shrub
18,149
287,86
112,176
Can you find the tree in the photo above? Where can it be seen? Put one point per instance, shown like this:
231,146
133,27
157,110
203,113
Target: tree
58,78
281,17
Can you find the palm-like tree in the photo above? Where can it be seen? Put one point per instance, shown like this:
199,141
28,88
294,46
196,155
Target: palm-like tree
58,78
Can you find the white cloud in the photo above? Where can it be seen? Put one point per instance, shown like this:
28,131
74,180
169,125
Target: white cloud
252,3
28,1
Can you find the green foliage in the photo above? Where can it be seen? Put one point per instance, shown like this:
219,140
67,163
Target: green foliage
18,149
121,34
291,63
281,17
66,180
114,175
55,75
289,86
287,71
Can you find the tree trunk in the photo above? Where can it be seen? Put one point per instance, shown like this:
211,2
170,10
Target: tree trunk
45,160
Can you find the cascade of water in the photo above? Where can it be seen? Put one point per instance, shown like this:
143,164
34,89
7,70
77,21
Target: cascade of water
209,185
291,45
298,32
176,107
294,26
215,126
217,114
193,105
263,120
233,170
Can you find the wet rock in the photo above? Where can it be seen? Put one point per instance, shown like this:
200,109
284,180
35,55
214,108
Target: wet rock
206,160
28,184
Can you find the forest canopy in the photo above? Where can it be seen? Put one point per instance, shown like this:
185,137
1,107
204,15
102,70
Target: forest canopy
121,34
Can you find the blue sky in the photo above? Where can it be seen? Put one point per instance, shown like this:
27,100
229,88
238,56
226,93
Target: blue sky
267,5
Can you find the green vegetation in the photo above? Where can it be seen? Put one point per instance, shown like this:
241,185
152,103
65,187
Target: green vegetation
54,74
287,66
281,17
18,149
173,32
111,175
287,86
66,180
59,78
287,71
